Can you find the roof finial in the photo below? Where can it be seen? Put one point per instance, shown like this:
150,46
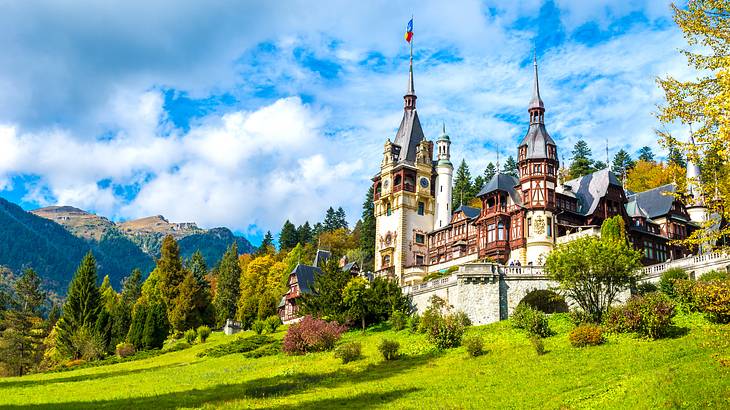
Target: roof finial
410,97
498,159
443,127
536,101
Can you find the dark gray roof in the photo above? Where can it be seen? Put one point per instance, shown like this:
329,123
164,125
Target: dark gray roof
321,258
536,101
634,210
656,202
589,189
469,211
350,266
502,182
537,140
409,135
305,276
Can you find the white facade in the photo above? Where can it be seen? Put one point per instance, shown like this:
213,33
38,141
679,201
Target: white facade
444,181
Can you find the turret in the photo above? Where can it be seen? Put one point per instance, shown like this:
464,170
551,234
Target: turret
695,202
444,178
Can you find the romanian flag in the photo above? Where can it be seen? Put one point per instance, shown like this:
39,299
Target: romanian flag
409,31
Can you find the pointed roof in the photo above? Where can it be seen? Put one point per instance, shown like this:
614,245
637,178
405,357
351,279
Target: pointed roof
411,89
502,182
537,140
536,101
444,136
409,135
589,189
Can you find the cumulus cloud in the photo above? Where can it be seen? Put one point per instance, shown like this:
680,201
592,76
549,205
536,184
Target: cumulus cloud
314,92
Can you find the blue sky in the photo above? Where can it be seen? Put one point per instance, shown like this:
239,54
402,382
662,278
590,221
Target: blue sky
244,114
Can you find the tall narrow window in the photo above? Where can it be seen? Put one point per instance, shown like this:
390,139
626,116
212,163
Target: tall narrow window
529,227
387,209
421,208
500,231
549,227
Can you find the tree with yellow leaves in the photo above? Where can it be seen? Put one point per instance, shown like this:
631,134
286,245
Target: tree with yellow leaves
703,105
647,175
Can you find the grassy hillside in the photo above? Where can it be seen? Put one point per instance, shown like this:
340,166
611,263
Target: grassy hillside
680,372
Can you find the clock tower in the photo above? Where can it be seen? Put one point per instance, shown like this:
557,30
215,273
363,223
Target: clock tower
404,198
538,169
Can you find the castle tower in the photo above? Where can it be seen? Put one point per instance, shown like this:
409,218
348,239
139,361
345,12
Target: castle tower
695,203
404,198
538,169
444,177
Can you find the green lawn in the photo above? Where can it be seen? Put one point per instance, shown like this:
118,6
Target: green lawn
679,372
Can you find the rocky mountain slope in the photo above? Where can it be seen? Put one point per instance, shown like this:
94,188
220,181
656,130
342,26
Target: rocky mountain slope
53,240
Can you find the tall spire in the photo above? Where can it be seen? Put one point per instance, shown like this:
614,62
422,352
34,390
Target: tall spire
536,101
693,172
410,97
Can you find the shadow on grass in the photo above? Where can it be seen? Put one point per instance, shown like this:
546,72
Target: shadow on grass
19,383
675,332
360,401
272,386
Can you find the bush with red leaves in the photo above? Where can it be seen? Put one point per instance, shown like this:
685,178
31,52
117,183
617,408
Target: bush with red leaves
312,335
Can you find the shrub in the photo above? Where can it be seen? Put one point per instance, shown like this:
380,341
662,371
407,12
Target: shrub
684,294
714,275
714,298
203,333
125,349
646,287
474,345
190,336
87,344
240,345
258,326
272,323
538,344
586,335
389,349
462,318
649,315
398,320
666,283
414,322
445,331
349,352
181,345
579,317
545,301
531,320
312,335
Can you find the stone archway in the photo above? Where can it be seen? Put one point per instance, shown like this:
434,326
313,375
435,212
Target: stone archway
545,301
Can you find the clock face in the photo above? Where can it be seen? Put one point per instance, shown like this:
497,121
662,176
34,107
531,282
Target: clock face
424,182
385,183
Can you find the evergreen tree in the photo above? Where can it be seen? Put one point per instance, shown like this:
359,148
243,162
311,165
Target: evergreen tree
103,328
186,311
317,230
156,327
510,167
622,163
489,172
646,154
462,186
326,296
199,268
288,237
228,290
582,163
82,306
367,232
477,186
170,272
108,295
330,220
136,328
122,312
340,219
267,244
675,155
22,337
304,233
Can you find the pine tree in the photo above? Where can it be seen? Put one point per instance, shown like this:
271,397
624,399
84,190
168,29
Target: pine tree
108,295
267,244
228,290
622,163
199,268
582,163
675,155
510,167
170,272
185,313
646,154
330,220
326,298
23,334
367,232
340,219
288,237
317,230
477,186
489,172
82,306
136,328
156,327
304,233
462,186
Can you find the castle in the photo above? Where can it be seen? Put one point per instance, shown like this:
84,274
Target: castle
521,219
